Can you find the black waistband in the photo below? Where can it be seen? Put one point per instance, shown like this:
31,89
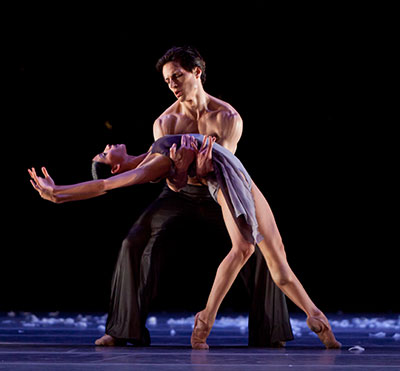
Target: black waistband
200,190
194,193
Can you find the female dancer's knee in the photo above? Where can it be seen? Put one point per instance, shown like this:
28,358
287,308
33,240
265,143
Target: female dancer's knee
281,274
242,251
275,256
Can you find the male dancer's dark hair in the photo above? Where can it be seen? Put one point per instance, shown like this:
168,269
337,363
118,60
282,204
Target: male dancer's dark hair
187,56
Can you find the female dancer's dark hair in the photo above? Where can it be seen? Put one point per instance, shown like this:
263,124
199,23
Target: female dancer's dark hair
100,170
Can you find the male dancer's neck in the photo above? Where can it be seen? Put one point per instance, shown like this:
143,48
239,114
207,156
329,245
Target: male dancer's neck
196,106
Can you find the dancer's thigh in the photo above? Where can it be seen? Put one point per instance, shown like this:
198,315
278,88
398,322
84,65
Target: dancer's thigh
238,241
272,245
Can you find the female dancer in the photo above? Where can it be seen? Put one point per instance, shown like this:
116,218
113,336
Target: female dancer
247,215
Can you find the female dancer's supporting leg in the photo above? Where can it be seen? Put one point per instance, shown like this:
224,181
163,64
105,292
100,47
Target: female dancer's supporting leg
274,253
226,273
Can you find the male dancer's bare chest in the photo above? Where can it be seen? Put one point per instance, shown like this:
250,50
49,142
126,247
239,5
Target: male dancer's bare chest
204,126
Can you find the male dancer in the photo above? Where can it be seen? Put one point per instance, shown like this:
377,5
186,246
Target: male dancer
134,281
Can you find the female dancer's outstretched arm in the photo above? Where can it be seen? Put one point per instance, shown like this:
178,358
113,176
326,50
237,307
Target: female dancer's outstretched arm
153,167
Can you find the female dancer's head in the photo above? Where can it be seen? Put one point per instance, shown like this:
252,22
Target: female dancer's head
109,162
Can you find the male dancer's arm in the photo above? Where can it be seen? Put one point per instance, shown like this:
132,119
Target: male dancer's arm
228,127
182,157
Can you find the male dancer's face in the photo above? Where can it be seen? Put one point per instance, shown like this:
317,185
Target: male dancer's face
181,82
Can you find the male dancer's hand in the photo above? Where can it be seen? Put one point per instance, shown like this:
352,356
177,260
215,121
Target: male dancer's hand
204,163
185,155
182,158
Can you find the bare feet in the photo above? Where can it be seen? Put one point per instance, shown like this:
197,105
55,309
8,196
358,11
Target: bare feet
278,344
108,341
321,327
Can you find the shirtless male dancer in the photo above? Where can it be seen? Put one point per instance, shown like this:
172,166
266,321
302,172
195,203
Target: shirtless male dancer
133,286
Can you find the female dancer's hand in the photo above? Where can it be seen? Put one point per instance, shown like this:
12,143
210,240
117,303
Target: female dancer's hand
204,163
45,186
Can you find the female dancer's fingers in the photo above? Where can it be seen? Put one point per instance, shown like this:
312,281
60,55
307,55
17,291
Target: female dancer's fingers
34,180
34,185
34,176
45,173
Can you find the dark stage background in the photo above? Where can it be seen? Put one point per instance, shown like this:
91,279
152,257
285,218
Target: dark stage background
315,90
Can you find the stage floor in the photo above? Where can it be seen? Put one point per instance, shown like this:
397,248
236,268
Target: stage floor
64,341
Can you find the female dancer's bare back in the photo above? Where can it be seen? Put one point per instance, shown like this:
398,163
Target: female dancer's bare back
156,166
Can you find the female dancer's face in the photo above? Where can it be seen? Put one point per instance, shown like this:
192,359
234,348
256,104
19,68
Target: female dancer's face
112,155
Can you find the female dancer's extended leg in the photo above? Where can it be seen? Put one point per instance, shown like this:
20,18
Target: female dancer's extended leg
273,250
274,253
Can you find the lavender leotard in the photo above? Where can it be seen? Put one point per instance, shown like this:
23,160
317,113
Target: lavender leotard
231,177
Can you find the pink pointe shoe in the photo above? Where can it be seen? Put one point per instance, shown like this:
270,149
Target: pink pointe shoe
322,328
200,334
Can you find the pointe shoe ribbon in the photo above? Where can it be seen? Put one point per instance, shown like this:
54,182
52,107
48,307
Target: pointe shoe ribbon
324,332
200,334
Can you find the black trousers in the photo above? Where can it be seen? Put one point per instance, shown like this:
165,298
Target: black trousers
137,272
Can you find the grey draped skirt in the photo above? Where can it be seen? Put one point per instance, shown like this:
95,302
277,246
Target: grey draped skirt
231,177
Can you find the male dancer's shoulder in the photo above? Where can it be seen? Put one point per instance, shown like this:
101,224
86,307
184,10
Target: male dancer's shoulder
229,127
229,121
164,125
